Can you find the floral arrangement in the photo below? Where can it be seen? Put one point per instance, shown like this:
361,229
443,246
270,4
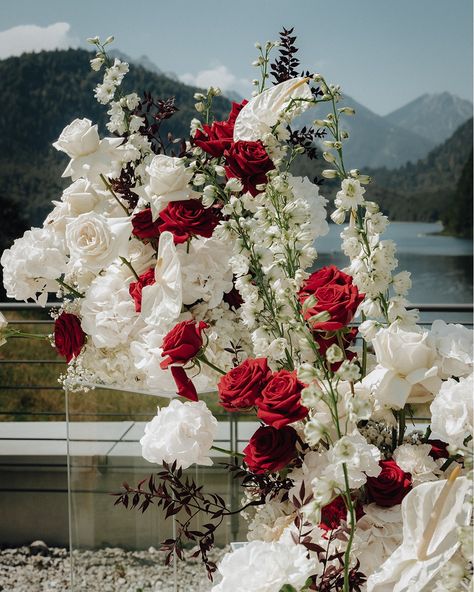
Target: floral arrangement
189,266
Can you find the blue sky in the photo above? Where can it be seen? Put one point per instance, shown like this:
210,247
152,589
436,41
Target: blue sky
384,53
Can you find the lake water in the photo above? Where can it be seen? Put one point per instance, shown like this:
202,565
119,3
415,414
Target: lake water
441,266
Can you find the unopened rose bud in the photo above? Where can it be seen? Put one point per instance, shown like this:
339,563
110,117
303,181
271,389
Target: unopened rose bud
329,174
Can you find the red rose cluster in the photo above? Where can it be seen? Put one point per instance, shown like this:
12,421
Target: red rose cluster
246,161
184,219
180,346
69,337
277,396
335,293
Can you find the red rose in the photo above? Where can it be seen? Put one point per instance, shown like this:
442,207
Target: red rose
336,512
240,387
143,225
390,487
182,343
335,293
439,449
279,402
249,162
135,288
187,218
216,138
325,343
270,449
68,336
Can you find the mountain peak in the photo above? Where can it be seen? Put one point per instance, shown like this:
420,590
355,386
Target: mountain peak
434,116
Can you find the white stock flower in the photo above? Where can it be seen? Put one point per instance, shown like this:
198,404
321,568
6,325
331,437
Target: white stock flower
264,567
33,263
402,282
181,432
407,370
108,311
162,301
350,195
416,460
79,138
168,181
361,459
452,411
264,110
455,347
302,188
95,241
206,271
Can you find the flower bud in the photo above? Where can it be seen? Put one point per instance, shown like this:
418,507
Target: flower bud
338,216
329,174
199,179
209,191
320,122
96,63
93,40
371,207
199,96
220,170
234,184
334,354
365,179
344,135
347,110
110,39
200,107
328,157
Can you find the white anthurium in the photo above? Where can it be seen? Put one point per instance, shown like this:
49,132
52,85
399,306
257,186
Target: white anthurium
162,301
263,111
432,514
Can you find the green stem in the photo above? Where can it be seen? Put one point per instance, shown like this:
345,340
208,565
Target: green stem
109,187
19,334
130,267
202,358
69,288
401,426
229,452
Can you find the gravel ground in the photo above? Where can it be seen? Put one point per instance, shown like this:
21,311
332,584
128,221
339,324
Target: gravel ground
37,568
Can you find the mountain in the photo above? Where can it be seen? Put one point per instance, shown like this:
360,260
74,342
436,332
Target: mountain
373,141
435,117
426,190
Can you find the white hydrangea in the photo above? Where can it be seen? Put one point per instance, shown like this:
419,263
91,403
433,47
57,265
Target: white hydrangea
264,567
455,347
270,520
205,269
32,265
108,311
452,411
181,432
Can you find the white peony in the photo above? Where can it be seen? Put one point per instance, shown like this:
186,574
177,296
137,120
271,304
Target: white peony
265,567
455,347
32,265
206,271
416,459
452,411
407,370
263,111
95,241
168,181
181,432
107,311
79,138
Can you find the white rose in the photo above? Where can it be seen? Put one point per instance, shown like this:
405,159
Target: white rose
79,138
169,179
452,411
265,567
455,347
407,370
96,241
181,432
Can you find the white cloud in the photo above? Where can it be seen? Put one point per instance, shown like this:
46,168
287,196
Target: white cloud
30,38
219,76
